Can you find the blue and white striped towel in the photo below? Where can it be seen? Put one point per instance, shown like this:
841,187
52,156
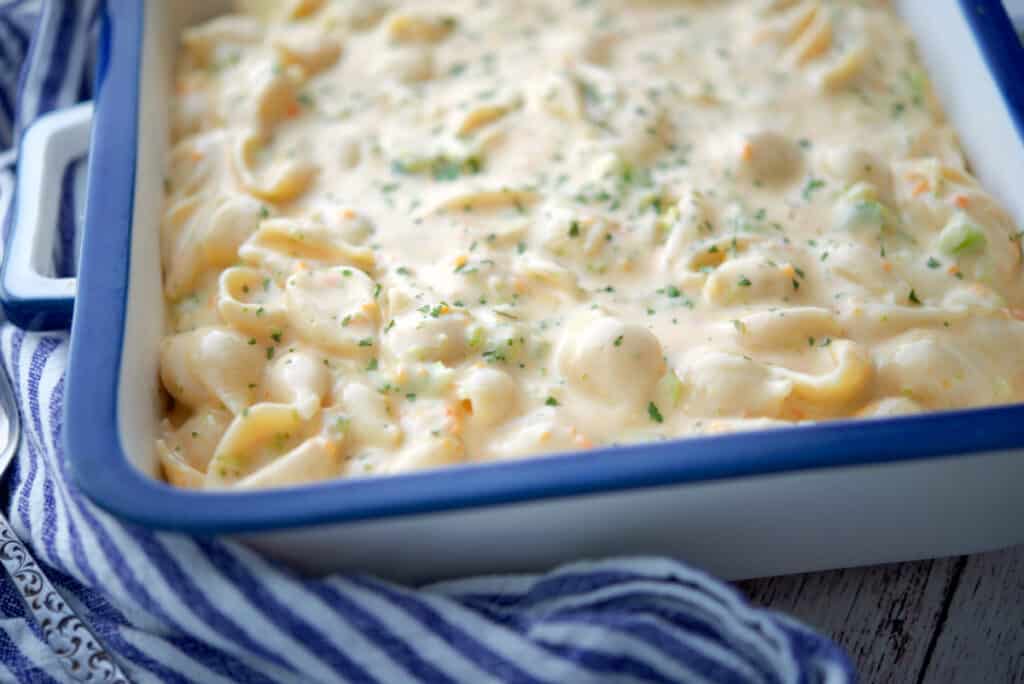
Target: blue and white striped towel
178,609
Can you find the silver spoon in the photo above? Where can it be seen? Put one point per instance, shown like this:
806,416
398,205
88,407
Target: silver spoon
81,653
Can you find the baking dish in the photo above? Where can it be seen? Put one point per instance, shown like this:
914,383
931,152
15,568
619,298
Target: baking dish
740,505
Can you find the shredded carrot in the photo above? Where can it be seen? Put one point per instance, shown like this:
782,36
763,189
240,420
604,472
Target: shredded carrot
747,152
887,266
921,187
467,406
461,260
293,110
788,270
1017,313
370,308
953,269
348,214
520,285
197,155
455,419
583,442
961,201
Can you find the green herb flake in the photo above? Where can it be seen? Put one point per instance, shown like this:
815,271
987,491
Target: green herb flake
813,184
654,413
551,401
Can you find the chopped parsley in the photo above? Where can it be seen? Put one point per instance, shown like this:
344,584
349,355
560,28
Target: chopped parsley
813,184
744,281
618,341
913,298
551,401
654,413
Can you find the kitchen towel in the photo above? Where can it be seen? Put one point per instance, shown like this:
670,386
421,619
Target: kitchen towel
173,608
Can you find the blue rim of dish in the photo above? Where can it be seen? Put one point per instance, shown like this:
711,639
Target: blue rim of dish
103,472
1002,50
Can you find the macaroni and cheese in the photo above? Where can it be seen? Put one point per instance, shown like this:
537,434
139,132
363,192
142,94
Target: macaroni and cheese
401,235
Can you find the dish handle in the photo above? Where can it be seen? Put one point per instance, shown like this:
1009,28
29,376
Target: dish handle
31,295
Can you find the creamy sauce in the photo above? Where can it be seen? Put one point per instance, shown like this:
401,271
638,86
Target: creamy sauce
398,238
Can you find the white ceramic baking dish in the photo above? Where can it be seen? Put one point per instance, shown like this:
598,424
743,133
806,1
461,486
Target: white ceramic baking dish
794,499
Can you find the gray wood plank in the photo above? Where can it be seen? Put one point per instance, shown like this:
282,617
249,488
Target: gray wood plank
982,636
884,616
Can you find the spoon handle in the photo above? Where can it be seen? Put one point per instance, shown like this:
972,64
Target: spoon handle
81,653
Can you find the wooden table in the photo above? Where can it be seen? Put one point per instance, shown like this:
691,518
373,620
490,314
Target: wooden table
939,621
